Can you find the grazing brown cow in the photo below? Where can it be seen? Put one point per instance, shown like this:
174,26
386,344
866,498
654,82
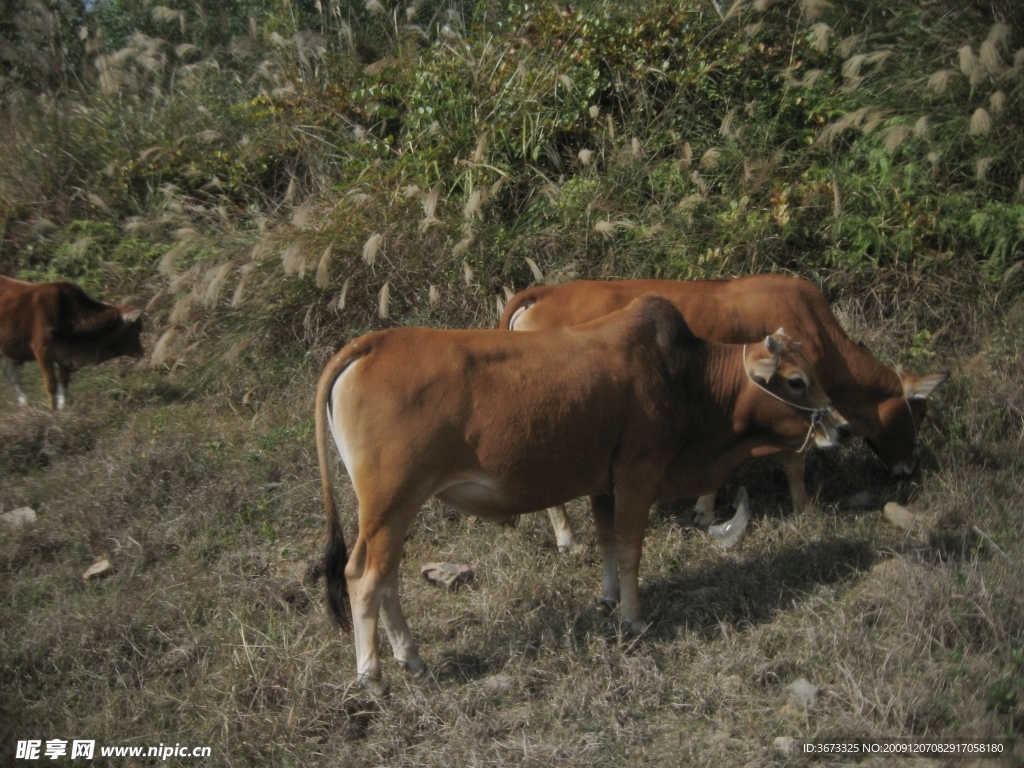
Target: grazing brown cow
882,405
57,324
498,424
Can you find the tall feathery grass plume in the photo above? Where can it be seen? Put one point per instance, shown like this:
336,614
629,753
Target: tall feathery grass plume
499,305
734,10
433,297
339,303
468,238
534,269
169,259
921,127
699,182
815,9
893,136
293,260
467,274
480,151
323,268
473,209
213,281
990,59
370,248
837,200
384,301
981,167
762,5
980,123
584,156
820,35
300,216
239,295
997,101
847,44
162,349
726,128
430,208
710,158
999,35
938,80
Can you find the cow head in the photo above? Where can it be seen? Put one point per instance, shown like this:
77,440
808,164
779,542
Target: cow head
127,339
900,420
783,396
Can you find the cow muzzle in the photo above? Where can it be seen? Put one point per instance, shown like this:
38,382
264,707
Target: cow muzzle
829,428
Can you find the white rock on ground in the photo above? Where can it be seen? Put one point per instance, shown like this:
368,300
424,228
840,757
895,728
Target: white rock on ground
19,516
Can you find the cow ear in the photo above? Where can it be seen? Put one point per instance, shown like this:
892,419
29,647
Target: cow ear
919,387
131,317
762,370
773,345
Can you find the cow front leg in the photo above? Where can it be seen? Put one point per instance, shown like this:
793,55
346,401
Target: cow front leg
13,372
563,530
63,378
603,509
794,464
631,513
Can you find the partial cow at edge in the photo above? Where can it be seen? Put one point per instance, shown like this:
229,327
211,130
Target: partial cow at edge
62,328
499,424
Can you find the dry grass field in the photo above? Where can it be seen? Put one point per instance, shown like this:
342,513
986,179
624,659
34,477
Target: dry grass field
212,630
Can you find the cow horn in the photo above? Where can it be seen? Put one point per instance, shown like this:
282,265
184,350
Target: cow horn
773,345
780,332
132,316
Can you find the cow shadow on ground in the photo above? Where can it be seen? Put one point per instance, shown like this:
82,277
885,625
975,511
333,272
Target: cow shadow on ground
749,591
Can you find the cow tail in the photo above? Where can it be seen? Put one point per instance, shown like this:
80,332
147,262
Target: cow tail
336,553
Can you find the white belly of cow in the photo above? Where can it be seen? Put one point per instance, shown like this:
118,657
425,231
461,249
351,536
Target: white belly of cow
478,495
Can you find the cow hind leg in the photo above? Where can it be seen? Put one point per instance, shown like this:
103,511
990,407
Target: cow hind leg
402,644
372,577
704,510
49,378
793,464
13,372
563,530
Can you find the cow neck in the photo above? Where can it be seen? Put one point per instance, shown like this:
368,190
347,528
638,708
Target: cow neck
723,381
865,371
97,324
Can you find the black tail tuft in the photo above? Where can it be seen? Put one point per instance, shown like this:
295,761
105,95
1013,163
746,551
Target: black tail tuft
335,559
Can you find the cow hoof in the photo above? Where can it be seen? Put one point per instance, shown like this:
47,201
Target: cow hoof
633,630
606,606
373,686
416,669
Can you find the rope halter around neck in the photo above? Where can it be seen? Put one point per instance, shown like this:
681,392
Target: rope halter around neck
817,414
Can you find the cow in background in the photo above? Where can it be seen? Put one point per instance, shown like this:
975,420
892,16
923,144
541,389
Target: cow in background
60,327
883,405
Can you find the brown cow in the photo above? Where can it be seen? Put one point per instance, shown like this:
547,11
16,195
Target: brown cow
58,324
498,424
882,405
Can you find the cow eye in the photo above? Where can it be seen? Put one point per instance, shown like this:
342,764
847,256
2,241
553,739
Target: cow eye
797,383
